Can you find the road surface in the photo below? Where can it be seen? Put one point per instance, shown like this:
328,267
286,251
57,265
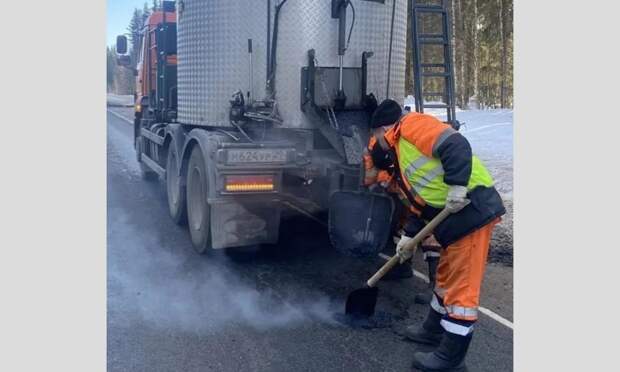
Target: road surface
273,309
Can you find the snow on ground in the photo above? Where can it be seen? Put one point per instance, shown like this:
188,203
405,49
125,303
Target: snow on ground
490,133
119,100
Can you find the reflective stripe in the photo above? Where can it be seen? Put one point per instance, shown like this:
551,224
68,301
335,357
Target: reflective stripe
431,254
417,164
428,177
442,137
456,328
440,292
423,175
436,306
462,311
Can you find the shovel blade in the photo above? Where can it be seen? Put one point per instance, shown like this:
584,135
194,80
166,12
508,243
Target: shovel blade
361,302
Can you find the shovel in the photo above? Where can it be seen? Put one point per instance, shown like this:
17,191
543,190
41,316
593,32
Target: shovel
359,222
362,301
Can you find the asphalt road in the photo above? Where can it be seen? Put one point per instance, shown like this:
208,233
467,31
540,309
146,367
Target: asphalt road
270,309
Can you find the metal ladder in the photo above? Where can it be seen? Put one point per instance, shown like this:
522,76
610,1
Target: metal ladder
422,68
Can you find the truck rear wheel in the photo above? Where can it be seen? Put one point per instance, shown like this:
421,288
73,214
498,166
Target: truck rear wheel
176,191
198,210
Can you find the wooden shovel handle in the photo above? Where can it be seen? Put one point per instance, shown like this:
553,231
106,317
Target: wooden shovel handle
411,245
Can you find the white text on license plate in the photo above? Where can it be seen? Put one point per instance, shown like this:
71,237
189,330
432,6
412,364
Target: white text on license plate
256,156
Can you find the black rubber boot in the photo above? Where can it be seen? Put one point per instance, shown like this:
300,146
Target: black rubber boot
400,271
430,332
426,296
449,356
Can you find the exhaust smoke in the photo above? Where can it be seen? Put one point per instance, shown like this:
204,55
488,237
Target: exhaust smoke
169,287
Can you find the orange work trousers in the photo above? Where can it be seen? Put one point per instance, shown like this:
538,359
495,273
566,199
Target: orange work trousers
460,273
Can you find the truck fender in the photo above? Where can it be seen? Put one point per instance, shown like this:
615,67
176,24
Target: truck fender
208,143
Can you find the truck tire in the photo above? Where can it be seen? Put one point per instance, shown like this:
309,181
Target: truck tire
198,210
146,172
175,189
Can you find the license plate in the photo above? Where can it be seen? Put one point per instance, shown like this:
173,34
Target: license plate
256,156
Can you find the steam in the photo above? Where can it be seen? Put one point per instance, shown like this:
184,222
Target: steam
167,287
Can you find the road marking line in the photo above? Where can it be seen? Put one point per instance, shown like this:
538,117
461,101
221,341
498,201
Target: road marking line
120,116
498,318
418,274
465,131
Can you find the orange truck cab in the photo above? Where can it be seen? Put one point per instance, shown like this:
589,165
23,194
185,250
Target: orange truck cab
156,67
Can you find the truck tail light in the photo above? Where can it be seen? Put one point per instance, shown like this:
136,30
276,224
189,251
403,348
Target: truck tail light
246,183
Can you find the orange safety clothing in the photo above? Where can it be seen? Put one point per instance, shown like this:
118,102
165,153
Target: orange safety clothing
465,235
460,273
373,175
444,159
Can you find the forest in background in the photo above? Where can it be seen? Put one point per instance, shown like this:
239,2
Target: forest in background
482,53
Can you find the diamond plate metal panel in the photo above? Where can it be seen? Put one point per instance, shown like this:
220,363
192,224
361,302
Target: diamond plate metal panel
213,58
308,25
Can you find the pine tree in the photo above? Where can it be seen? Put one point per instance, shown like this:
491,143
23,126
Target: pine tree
460,50
482,52
475,45
145,13
503,52
110,69
452,11
124,80
134,29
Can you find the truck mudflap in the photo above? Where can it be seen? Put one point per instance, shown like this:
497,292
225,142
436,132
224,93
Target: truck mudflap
241,224
244,186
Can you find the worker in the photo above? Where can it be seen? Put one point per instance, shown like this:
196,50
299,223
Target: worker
439,171
387,180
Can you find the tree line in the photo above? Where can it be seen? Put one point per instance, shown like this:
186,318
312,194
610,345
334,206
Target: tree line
482,52
121,80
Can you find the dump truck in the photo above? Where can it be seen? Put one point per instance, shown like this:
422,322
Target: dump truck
246,108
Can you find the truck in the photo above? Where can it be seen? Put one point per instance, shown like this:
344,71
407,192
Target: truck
246,108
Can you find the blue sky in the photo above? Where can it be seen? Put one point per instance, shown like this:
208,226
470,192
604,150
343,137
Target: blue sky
119,15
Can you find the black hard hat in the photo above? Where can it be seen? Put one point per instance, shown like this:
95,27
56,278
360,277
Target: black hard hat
388,113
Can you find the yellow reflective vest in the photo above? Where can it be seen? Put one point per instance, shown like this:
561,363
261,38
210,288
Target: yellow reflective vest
424,175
